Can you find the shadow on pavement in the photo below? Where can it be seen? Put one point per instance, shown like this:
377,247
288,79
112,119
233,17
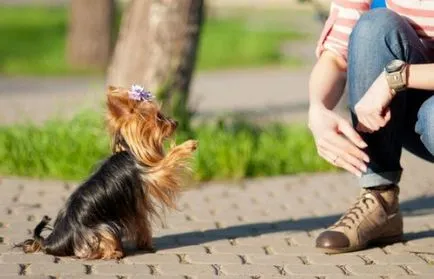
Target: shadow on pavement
418,235
419,206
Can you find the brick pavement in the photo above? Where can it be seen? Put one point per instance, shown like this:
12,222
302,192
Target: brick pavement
261,228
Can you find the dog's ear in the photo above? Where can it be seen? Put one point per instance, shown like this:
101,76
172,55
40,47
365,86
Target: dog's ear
118,104
112,89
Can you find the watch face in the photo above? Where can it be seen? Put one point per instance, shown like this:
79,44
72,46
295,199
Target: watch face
394,65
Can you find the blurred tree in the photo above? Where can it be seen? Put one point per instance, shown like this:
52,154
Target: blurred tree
157,48
90,33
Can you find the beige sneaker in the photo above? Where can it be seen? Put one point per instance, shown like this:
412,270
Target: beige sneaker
374,219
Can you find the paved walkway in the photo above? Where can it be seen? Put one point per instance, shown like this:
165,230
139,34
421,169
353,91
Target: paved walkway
262,228
274,93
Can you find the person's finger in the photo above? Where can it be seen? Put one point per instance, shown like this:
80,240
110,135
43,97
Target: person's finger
340,144
387,115
373,123
346,129
385,118
362,128
370,123
345,156
327,155
339,162
344,164
379,121
364,124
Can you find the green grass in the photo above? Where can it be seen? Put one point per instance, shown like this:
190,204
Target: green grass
230,43
33,42
70,149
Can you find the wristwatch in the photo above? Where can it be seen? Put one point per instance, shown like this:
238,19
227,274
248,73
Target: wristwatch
396,75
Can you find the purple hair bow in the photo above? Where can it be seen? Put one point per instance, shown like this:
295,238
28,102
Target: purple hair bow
139,93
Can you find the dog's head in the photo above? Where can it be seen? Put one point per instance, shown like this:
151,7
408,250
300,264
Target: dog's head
135,122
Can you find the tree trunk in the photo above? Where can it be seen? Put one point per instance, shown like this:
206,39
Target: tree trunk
90,33
157,46
128,63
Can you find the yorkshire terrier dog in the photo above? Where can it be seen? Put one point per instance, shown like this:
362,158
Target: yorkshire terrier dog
117,202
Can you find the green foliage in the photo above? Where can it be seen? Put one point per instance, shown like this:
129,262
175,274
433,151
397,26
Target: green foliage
71,149
231,42
59,149
33,42
240,149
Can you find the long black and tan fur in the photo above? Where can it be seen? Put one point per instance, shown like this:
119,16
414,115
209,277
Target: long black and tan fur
120,198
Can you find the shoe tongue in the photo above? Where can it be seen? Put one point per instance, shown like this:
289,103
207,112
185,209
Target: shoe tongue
389,196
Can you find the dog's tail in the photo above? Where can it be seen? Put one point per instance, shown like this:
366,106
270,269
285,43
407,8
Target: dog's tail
37,243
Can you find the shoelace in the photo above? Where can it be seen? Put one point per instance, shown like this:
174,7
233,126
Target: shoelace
352,215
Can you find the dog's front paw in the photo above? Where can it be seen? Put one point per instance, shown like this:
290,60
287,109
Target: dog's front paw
191,145
117,255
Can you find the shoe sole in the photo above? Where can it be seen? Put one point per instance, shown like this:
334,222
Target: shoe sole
376,242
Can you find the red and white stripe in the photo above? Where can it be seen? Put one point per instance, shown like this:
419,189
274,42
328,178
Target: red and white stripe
345,13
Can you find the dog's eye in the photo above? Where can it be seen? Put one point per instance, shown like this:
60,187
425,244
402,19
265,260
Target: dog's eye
160,117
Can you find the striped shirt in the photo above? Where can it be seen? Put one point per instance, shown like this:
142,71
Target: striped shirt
345,13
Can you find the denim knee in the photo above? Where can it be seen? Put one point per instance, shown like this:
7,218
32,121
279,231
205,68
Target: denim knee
425,124
382,28
378,37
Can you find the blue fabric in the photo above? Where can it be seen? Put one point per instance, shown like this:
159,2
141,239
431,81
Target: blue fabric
379,36
378,4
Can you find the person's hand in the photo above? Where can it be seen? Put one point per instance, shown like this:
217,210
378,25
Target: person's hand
372,110
337,141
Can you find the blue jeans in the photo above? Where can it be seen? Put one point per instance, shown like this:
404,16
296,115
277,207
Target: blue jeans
380,36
